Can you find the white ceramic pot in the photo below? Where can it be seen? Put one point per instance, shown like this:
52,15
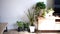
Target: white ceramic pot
32,28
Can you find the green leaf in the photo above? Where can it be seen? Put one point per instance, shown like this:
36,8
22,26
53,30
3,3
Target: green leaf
20,23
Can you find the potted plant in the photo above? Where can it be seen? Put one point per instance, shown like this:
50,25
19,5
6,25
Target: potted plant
49,12
30,16
39,8
26,26
20,25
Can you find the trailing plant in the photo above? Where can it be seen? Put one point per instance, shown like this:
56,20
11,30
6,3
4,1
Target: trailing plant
38,7
44,13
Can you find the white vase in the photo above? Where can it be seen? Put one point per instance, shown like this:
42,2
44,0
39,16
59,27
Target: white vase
32,28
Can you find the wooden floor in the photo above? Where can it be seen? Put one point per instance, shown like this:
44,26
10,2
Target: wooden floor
25,32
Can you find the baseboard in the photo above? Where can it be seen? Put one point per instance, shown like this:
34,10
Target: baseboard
43,31
48,31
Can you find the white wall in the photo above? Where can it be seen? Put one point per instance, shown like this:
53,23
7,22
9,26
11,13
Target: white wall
0,10
13,10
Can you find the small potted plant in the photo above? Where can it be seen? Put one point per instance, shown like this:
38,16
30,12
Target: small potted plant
30,16
49,12
26,26
20,26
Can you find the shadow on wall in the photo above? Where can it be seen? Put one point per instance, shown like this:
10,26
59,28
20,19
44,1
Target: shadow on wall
15,25
49,3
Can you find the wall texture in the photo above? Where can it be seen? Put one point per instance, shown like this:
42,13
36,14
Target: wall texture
13,10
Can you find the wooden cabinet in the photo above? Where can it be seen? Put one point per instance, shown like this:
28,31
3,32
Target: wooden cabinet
50,23
2,27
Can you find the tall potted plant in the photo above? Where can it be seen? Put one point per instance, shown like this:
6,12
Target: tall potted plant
30,16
